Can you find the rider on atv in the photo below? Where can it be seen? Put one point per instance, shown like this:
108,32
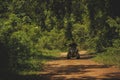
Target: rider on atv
73,51
73,45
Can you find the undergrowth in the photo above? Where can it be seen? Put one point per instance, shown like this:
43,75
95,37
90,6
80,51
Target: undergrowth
110,57
39,61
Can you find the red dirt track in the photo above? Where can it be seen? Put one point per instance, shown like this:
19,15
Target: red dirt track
78,69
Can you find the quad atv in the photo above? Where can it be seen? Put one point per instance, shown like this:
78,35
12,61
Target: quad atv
73,52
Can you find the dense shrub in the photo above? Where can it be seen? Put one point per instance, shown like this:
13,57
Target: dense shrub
110,57
51,40
18,42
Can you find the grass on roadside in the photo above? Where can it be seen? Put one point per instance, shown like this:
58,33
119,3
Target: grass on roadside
39,61
109,57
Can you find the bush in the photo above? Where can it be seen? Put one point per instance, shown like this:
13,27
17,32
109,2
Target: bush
20,49
110,57
51,40
18,44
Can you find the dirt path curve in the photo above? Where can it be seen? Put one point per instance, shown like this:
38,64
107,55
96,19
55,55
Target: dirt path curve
79,69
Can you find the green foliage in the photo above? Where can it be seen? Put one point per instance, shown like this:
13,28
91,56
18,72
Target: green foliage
19,40
51,40
20,49
80,34
110,57
31,28
116,43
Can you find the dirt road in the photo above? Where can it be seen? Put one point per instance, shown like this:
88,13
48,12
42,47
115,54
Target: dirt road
79,69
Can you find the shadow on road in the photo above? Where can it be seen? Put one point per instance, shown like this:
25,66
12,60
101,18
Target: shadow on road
82,56
110,76
86,56
61,72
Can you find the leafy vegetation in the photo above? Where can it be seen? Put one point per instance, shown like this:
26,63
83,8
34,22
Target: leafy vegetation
110,57
31,30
